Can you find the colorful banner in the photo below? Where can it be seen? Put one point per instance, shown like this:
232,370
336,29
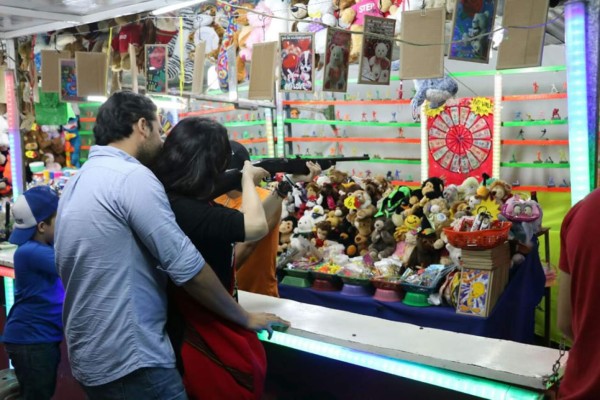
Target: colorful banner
156,68
460,140
297,62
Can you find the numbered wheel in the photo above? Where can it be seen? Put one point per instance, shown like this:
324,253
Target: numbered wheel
460,140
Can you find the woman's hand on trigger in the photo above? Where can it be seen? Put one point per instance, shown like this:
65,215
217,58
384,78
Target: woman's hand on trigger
255,173
264,321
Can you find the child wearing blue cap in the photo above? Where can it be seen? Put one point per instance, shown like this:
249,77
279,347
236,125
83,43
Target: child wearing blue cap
34,329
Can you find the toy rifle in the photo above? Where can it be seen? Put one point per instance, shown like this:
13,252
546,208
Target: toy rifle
232,178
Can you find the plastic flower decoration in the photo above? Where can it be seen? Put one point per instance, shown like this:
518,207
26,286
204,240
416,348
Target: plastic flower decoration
433,112
481,106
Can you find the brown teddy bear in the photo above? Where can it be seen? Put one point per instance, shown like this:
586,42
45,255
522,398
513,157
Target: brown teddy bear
383,243
241,35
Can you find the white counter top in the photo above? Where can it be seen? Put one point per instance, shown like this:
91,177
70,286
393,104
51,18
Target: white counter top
500,360
7,255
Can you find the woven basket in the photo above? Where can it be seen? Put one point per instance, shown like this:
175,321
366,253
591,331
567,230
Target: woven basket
479,240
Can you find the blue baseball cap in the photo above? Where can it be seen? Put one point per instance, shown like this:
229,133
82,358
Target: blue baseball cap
32,207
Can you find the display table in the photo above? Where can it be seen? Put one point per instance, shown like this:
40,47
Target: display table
513,318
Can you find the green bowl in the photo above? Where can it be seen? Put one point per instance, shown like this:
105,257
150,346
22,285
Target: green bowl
416,299
298,273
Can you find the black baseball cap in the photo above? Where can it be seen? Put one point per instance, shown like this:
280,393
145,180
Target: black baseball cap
239,155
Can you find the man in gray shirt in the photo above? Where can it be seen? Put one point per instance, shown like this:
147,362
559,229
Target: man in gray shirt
117,244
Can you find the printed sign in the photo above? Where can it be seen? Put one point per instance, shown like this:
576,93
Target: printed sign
375,62
68,81
335,77
297,61
156,68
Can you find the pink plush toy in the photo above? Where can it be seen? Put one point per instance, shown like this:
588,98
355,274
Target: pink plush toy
259,24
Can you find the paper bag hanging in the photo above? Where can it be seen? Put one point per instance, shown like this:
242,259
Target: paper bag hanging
198,77
67,75
521,48
375,61
157,60
91,74
472,27
425,28
50,77
297,62
262,71
335,76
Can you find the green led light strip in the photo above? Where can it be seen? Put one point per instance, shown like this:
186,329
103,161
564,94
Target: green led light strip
535,70
390,161
243,123
429,375
9,293
350,123
534,165
537,122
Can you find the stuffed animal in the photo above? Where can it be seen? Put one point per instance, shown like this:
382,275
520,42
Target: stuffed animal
305,225
468,188
206,30
361,204
286,229
313,195
383,243
425,252
500,191
322,230
354,17
259,24
435,91
130,32
280,10
243,32
432,188
320,15
176,56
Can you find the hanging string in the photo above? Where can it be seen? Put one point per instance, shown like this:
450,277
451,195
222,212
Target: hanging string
108,55
181,58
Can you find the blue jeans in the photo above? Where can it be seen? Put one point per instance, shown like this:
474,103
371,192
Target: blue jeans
35,368
144,383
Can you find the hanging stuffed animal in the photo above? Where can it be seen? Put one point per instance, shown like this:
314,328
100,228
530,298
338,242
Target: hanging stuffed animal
174,50
435,91
354,17
226,44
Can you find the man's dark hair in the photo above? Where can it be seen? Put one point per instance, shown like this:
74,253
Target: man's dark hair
117,115
196,151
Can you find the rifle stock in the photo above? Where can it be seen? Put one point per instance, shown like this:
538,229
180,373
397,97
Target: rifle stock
232,178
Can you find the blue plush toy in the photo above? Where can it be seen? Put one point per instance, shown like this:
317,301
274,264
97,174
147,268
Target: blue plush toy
71,130
436,91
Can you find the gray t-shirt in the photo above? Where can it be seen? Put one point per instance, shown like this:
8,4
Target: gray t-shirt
116,245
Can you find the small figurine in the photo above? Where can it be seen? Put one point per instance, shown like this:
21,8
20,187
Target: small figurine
544,131
410,178
256,151
551,182
549,160
393,117
247,116
228,118
553,89
364,117
555,114
536,87
516,183
563,157
338,115
564,183
260,133
335,130
539,158
239,117
513,158
360,174
369,95
347,117
332,151
374,113
340,148
346,96
377,94
397,175
368,173
321,131
529,117
354,152
521,134
298,148
389,176
314,134
307,151
294,113
245,135
400,91
401,133
518,116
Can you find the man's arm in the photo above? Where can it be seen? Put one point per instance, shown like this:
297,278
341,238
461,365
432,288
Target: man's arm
564,305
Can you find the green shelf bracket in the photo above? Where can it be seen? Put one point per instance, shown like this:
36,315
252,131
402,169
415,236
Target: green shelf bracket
243,123
536,122
351,123
534,165
86,133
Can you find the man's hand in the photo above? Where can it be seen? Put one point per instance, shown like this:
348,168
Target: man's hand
315,170
263,321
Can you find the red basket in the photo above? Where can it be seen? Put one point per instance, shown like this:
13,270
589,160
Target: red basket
479,240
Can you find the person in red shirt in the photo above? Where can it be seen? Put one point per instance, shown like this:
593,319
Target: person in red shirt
578,298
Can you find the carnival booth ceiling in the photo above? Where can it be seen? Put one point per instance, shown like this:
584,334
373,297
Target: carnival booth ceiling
19,18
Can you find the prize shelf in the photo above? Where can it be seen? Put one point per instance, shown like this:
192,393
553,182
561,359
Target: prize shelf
534,97
353,139
235,124
557,189
539,142
350,123
248,141
411,161
344,102
536,122
534,165
205,112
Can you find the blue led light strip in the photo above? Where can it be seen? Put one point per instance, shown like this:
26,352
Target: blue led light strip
430,375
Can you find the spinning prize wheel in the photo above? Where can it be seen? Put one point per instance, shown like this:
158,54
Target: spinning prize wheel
460,140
